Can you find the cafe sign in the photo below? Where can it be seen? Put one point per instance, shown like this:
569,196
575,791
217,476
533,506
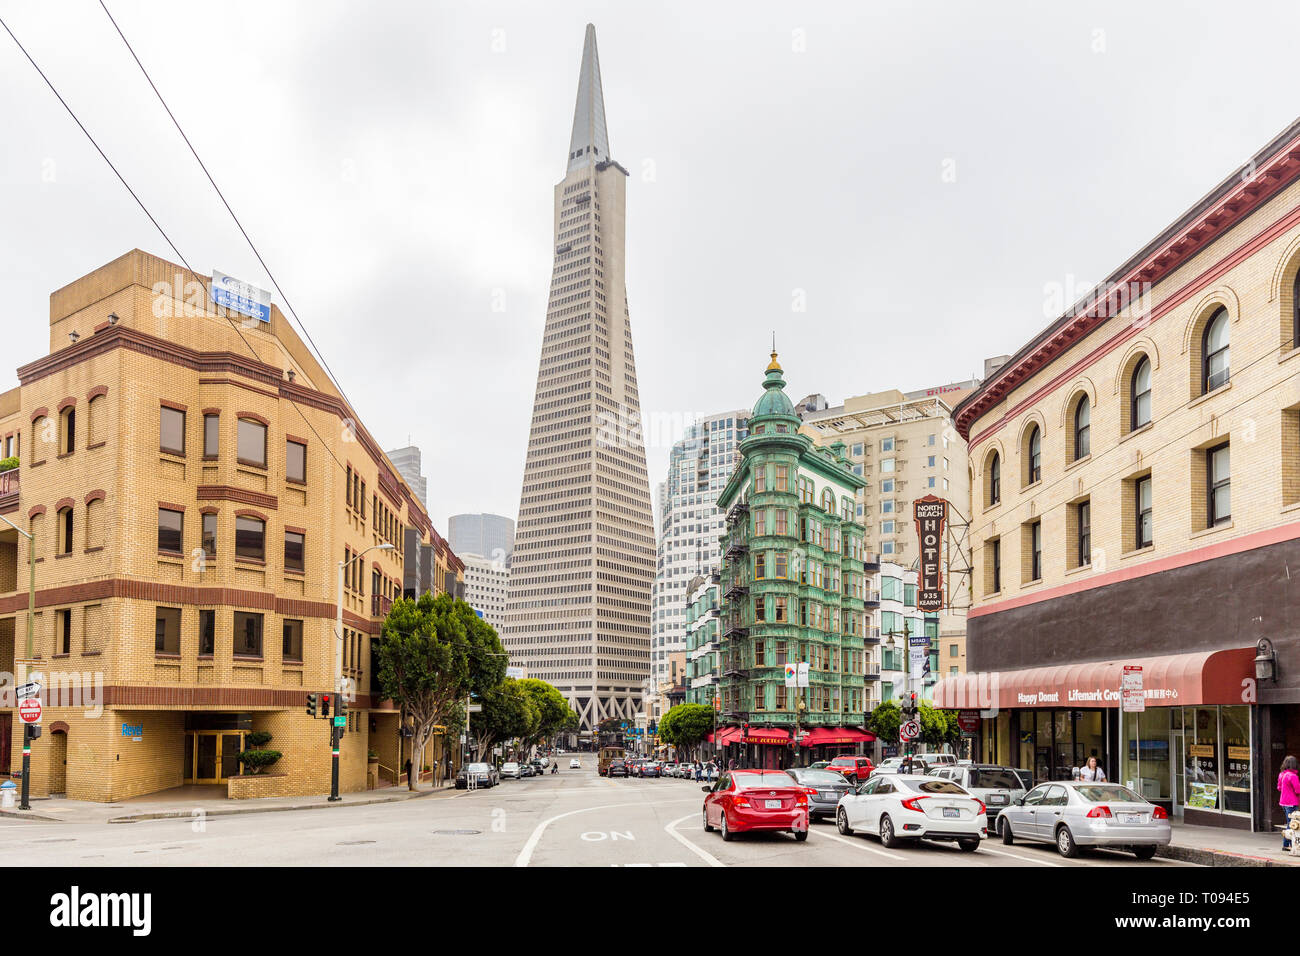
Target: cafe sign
931,515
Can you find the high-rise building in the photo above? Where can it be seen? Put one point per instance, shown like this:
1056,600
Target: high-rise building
486,535
486,582
578,613
690,525
407,462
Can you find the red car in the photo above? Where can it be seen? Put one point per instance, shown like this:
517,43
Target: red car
855,769
744,800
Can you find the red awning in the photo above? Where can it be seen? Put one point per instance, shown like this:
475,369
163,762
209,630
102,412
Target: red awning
767,735
725,736
836,735
1202,677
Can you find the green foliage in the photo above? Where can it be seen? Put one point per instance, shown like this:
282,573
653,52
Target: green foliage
884,720
938,727
9,464
257,739
553,712
255,761
507,713
686,725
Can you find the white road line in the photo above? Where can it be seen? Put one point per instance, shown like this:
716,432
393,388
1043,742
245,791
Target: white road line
703,854
1023,859
526,854
860,844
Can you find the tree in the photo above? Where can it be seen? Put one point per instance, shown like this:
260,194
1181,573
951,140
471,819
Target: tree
686,726
938,727
884,720
435,652
553,712
507,714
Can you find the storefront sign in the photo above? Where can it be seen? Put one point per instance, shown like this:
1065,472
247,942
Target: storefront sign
758,737
930,514
1132,700
969,721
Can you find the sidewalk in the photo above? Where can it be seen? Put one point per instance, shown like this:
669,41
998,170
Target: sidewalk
186,802
1219,846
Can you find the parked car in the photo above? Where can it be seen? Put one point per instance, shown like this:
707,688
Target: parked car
898,807
1075,813
897,765
940,760
666,769
616,768
511,769
482,773
854,768
745,800
825,787
819,765
575,764
652,768
999,787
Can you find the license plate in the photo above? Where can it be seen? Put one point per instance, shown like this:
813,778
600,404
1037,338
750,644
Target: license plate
997,798
1129,817
772,804
951,812
826,794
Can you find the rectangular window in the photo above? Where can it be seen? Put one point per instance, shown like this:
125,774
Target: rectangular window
251,447
292,640
886,444
1218,486
1142,511
995,566
886,465
760,479
295,461
169,529
1036,551
1083,517
781,564
207,633
780,607
760,566
171,431
293,551
211,435
250,538
248,634
760,523
782,477
210,536
63,631
167,630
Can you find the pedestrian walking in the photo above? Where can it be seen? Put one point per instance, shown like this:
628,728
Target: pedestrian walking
1288,785
731,764
1092,772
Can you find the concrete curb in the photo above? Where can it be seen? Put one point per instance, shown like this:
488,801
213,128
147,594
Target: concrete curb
1204,857
28,815
233,811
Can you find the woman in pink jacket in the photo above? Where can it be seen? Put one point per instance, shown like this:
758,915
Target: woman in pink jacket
1288,785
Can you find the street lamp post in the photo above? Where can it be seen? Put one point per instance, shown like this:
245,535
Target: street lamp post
335,735
27,662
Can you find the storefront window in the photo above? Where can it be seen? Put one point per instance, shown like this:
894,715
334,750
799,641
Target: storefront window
1146,768
1201,740
1236,759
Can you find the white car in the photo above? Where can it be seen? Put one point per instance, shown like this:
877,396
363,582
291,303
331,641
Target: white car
575,764
511,769
900,807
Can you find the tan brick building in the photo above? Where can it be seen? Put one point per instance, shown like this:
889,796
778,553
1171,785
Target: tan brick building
192,481
1135,476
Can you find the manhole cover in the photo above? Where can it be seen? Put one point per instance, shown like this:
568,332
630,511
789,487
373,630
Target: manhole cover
456,832
353,842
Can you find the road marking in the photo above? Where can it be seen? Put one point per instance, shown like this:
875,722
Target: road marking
1017,856
703,854
526,854
860,844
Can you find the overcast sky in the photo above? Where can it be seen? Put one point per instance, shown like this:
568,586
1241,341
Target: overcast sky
922,178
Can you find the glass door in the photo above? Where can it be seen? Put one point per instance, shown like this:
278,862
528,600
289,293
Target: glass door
212,755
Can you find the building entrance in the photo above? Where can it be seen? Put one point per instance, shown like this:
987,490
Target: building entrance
212,755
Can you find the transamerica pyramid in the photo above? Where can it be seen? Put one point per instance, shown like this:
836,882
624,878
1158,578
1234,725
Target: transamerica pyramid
578,611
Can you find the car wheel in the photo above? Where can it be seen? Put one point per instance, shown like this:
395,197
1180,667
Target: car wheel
969,846
1065,842
800,835
708,828
1144,852
842,822
887,837
1004,831
727,835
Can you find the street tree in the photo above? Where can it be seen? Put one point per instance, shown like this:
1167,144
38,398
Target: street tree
434,653
885,719
938,727
686,726
507,714
553,712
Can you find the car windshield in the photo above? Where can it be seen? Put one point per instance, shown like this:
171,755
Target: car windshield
818,777
992,778
763,781
479,767
932,785
1099,793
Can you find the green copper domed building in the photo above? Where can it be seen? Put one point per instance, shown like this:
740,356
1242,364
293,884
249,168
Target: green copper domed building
794,592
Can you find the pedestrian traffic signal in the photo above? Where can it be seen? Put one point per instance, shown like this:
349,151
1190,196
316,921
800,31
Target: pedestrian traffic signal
324,705
342,708
313,703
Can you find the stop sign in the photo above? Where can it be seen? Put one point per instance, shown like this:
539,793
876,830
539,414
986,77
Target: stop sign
30,710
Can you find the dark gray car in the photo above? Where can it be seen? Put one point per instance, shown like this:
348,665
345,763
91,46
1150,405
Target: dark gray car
826,786
999,787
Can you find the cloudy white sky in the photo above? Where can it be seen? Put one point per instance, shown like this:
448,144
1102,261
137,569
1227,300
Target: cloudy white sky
395,161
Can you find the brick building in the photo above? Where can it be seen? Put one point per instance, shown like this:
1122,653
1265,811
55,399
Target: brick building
192,482
1135,476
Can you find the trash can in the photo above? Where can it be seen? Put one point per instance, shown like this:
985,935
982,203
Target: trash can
7,791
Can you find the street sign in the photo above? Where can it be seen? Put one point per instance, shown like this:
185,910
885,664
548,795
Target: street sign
341,720
30,689
969,721
475,708
919,640
1132,699
30,710
909,730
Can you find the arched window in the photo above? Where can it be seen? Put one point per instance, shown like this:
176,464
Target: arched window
828,501
1034,454
1082,428
65,531
1295,312
68,430
1215,368
995,479
1140,409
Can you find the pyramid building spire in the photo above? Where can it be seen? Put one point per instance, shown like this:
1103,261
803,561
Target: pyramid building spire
589,143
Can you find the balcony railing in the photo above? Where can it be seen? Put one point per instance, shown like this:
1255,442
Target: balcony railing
738,589
9,486
738,509
735,550
872,635
380,605
734,628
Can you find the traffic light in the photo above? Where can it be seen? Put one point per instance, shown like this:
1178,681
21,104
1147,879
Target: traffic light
342,708
313,704
324,705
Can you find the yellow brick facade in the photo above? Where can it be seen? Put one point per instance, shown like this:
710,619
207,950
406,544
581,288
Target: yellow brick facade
146,338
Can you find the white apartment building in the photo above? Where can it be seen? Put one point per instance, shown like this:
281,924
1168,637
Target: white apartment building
486,585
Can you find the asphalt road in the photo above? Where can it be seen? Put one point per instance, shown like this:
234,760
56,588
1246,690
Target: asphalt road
573,818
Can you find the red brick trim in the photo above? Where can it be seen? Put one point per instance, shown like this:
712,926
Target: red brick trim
94,445
250,513
96,392
295,438
241,495
41,412
170,507
37,510
254,417
64,503
59,726
177,406
171,595
211,411
209,510
66,402
290,527
239,384
95,495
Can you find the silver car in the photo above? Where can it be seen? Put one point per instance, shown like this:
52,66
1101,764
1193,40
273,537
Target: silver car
1077,813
